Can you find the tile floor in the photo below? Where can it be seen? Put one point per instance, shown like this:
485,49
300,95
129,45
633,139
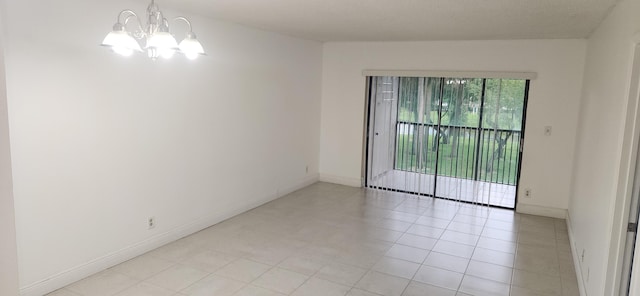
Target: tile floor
334,240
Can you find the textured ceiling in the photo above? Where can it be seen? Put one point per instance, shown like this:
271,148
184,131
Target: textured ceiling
408,20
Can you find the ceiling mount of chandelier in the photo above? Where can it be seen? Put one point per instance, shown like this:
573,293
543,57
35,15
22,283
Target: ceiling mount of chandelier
154,37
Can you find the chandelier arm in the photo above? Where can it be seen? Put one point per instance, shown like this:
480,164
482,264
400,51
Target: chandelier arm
131,15
182,18
125,12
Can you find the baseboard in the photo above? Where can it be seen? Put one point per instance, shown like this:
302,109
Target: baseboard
77,273
541,211
312,178
576,260
348,181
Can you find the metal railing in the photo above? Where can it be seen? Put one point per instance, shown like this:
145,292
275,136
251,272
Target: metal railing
473,153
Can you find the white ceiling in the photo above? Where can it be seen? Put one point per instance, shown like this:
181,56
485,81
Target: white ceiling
408,20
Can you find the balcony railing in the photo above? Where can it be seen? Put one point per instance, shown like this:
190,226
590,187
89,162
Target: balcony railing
483,154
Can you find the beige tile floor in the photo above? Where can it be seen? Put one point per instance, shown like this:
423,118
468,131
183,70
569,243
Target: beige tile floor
334,240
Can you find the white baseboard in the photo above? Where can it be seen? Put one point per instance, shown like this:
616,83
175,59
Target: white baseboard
312,178
79,272
541,211
576,260
348,181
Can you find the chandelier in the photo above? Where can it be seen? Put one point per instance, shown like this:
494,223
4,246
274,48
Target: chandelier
154,37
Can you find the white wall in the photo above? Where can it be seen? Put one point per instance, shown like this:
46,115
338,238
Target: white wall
553,100
603,148
8,252
102,142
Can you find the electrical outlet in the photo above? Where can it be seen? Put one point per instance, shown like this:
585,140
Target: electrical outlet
547,130
151,222
527,193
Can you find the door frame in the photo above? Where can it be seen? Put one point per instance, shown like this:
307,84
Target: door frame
369,114
629,155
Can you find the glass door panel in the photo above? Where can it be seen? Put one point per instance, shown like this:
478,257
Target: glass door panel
455,138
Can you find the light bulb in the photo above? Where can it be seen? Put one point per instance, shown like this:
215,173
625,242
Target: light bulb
120,41
190,47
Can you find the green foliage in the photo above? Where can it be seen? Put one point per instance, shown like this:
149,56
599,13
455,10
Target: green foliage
457,102
461,100
502,169
408,103
504,101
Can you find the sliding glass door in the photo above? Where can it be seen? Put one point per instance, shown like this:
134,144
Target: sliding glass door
454,138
